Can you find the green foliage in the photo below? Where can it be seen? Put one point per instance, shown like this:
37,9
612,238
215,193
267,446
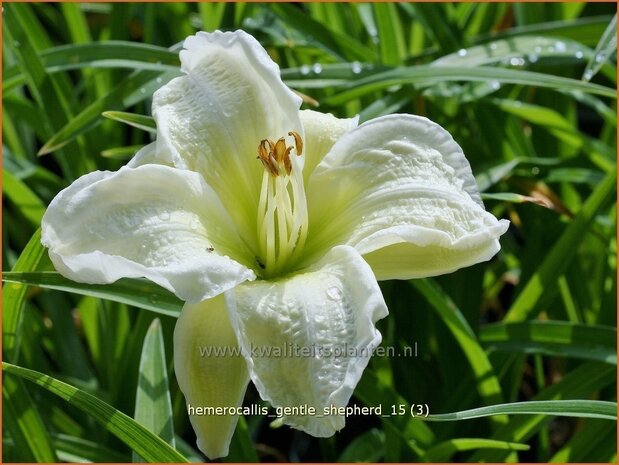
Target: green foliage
526,338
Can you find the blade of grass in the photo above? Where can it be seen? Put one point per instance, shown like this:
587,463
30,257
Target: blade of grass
24,422
542,285
604,51
425,75
581,382
14,294
134,89
137,292
444,451
564,408
105,54
138,438
488,386
20,195
153,407
558,338
143,122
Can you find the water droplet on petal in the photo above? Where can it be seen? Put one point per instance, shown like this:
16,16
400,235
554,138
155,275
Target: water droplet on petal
462,52
164,215
304,70
334,293
317,68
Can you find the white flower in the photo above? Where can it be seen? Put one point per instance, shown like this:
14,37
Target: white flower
280,251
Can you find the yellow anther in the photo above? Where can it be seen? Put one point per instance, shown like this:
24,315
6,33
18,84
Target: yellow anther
275,156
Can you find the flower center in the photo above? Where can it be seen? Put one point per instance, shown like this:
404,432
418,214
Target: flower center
282,210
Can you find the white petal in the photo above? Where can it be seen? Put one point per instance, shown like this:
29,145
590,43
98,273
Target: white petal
153,221
145,156
322,130
212,119
331,306
207,377
401,179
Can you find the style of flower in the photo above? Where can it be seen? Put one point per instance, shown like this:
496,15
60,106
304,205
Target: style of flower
273,225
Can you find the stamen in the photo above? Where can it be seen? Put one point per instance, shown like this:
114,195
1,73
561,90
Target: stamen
282,209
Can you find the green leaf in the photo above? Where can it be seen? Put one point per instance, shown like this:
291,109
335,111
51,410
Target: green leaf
581,382
444,451
25,201
561,408
144,122
14,294
542,285
558,338
605,50
105,54
121,153
153,407
527,48
425,76
367,447
137,292
134,89
21,417
488,385
138,438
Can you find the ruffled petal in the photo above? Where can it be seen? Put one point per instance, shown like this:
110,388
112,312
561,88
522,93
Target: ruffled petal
322,130
153,221
399,190
308,337
210,372
212,119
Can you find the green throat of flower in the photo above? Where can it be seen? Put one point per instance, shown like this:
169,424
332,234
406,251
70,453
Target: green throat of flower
282,209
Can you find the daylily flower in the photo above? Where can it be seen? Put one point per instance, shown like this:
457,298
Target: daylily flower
274,225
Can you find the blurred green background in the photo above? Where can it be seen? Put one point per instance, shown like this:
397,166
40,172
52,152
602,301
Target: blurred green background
528,91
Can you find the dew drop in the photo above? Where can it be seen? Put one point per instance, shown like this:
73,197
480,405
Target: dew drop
495,85
462,52
143,90
579,55
560,47
159,80
515,61
356,67
532,58
317,68
493,46
537,49
164,215
154,299
535,171
304,70
334,293
588,75
600,57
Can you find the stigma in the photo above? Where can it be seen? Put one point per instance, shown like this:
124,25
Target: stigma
275,156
